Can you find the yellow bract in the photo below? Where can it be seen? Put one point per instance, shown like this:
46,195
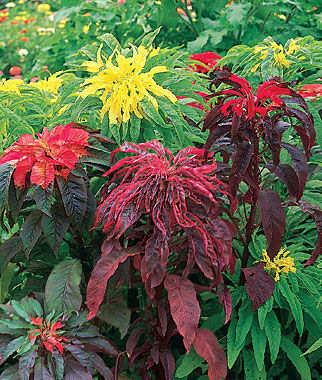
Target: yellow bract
11,85
281,263
122,86
293,47
50,84
43,8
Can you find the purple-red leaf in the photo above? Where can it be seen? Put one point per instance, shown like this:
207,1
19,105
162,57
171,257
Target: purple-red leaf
184,306
168,363
259,284
225,299
133,340
316,214
287,175
273,219
104,269
206,345
299,164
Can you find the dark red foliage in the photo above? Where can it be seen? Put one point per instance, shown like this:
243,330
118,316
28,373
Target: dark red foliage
259,284
179,194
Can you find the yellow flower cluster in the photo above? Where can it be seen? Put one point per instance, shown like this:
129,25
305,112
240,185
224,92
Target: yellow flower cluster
280,54
50,84
11,85
121,87
280,263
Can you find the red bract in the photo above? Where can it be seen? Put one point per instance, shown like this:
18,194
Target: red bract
181,195
53,153
313,90
208,58
47,334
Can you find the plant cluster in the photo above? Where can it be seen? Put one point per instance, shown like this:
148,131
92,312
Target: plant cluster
160,213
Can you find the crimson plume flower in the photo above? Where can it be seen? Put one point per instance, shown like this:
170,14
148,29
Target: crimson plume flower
53,153
182,196
47,334
312,90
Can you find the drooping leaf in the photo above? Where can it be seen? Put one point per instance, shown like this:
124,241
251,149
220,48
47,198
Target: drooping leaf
62,291
316,214
41,371
31,231
9,249
5,280
74,195
273,219
293,302
184,306
294,354
104,269
250,367
6,171
26,362
287,175
273,333
43,198
189,363
259,340
75,371
55,227
299,164
259,284
12,347
168,363
206,345
224,297
11,373
315,346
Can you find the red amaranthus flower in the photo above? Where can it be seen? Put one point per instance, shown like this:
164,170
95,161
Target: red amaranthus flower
47,334
53,153
209,58
182,196
313,90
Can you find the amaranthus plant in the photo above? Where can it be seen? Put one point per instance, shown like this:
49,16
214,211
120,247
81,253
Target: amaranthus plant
53,343
181,201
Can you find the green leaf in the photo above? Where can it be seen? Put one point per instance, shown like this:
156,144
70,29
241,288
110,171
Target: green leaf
116,314
12,347
135,125
273,333
115,130
294,354
197,45
189,363
250,367
5,280
110,41
62,292
150,37
11,373
26,362
55,227
151,112
294,303
259,340
41,371
20,311
263,310
315,346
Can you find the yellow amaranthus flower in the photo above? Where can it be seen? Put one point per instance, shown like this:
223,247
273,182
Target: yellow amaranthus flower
293,47
11,85
123,86
50,84
280,59
280,263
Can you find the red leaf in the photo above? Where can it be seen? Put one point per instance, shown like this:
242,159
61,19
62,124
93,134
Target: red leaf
299,163
259,284
104,269
42,174
287,175
206,345
273,219
184,306
133,340
225,299
168,363
316,214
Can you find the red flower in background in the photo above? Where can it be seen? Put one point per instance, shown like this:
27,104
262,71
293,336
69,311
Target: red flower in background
48,334
209,58
313,90
55,152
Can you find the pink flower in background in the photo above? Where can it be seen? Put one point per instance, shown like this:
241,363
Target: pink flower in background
120,2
